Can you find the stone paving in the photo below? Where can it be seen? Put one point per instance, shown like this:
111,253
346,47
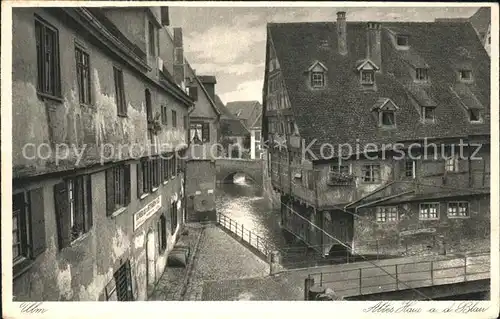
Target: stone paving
215,256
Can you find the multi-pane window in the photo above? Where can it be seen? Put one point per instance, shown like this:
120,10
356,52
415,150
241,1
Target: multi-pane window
428,113
386,214
20,228
387,118
428,211
174,118
117,188
410,168
421,74
80,205
119,92
451,163
340,168
466,75
367,77
458,209
371,173
83,75
317,79
28,227
148,175
47,53
200,132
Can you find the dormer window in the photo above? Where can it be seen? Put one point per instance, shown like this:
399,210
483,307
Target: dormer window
427,114
421,74
386,112
402,40
367,77
466,75
317,75
317,79
475,116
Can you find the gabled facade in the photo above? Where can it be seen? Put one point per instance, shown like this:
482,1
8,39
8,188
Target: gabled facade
96,213
337,95
481,21
250,113
234,136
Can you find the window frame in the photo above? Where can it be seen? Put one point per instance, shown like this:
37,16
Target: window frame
174,118
458,207
120,100
151,39
374,169
469,72
479,116
422,74
48,81
25,252
437,206
424,110
372,77
406,40
412,169
385,214
84,95
381,118
338,167
451,162
80,203
320,80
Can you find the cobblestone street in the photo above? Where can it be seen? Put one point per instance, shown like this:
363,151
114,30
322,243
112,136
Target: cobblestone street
216,256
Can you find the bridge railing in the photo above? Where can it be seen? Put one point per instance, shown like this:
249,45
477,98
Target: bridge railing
356,281
249,237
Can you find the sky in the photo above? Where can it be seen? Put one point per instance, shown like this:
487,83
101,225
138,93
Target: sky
229,42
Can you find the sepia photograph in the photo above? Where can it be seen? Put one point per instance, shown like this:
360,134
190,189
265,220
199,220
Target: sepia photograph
198,151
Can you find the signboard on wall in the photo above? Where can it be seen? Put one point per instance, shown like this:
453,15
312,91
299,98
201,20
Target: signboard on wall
146,212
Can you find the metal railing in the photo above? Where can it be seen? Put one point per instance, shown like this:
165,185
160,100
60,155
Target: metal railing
246,235
402,276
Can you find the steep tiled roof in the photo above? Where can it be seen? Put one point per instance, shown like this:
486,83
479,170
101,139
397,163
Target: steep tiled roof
242,109
230,125
341,113
481,20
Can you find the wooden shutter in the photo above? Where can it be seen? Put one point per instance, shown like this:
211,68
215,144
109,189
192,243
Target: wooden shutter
126,187
110,191
37,210
79,196
89,221
139,179
62,214
205,132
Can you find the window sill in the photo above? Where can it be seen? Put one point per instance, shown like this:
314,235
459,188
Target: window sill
173,177
122,115
165,182
154,189
144,196
458,217
49,97
118,212
428,219
21,267
82,237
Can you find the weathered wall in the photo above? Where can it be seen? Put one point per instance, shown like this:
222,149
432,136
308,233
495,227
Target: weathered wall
460,234
81,271
200,190
85,129
131,23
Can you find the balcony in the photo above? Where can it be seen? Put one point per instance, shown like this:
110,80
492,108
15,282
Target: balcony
340,179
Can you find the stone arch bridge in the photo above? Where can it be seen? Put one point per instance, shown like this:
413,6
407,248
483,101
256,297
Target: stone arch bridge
226,168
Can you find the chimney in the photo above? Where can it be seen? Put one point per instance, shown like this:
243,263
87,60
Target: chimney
373,46
178,57
342,32
209,82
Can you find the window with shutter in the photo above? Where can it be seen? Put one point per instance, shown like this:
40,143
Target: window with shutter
162,231
173,217
140,180
61,200
174,118
37,212
20,228
120,288
48,64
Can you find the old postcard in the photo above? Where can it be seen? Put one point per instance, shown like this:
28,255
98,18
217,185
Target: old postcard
252,152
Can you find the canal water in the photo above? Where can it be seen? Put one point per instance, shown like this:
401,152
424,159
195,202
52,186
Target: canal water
246,204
